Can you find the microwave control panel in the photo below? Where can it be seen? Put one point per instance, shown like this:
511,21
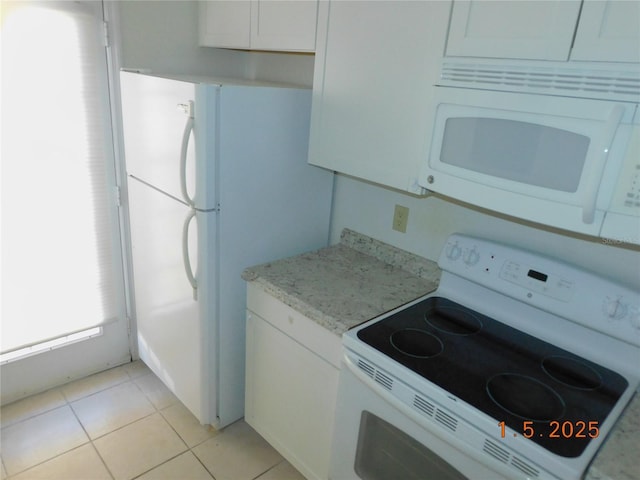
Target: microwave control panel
626,198
621,223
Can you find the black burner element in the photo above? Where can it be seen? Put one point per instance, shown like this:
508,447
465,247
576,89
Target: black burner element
416,343
453,320
571,372
507,374
525,397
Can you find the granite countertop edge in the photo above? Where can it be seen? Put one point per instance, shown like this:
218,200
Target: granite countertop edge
354,259
329,322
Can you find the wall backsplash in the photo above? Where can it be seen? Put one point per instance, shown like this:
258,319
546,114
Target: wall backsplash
369,208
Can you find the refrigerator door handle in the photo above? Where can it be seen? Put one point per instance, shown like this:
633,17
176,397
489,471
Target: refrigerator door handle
185,254
186,135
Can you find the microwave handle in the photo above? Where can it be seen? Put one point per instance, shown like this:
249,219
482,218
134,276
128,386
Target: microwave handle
591,190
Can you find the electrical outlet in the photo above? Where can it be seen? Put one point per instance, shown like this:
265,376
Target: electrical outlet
400,217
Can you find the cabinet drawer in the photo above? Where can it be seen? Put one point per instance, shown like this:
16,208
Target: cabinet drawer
294,324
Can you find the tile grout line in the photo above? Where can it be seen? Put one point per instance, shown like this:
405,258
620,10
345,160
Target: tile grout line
102,460
90,439
68,403
164,419
156,409
159,412
268,469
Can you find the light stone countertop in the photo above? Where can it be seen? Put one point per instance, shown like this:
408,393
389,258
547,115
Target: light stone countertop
344,285
619,456
360,278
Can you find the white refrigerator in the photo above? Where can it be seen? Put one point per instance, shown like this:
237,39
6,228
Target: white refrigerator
218,181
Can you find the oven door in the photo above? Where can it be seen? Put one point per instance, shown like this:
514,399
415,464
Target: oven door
377,438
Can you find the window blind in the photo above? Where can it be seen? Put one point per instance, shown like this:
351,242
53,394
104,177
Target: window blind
59,220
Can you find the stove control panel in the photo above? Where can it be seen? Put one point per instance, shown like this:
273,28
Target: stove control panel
546,283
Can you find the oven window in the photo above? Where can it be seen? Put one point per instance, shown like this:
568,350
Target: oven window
386,452
523,152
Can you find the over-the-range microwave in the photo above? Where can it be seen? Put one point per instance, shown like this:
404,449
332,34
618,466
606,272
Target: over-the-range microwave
553,145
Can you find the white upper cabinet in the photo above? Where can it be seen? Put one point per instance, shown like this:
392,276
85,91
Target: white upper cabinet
284,25
609,31
604,30
279,25
225,24
376,64
531,29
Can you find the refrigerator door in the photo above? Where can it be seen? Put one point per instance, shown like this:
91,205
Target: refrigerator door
160,125
170,327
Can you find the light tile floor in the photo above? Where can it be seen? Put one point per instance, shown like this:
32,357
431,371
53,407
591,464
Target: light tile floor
124,424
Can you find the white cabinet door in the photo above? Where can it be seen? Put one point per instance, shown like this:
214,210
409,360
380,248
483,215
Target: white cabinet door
609,31
284,25
376,63
526,29
290,396
279,25
225,23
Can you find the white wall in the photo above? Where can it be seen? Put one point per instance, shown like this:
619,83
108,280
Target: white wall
162,36
368,209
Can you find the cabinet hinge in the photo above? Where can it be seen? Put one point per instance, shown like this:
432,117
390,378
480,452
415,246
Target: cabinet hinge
118,196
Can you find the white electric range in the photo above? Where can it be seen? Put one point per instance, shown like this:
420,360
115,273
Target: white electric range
517,366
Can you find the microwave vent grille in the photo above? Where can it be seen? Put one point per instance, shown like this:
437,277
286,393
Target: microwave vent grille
614,85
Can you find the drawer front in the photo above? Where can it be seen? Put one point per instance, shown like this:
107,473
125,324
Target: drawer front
302,329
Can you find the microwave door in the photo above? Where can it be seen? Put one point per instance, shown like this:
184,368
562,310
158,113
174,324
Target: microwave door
529,156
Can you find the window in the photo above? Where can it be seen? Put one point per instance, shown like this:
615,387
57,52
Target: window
59,219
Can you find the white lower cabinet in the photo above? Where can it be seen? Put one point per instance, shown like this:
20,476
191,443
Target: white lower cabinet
291,382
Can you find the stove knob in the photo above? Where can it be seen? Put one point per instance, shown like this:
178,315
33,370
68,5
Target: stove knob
471,257
453,251
614,309
634,318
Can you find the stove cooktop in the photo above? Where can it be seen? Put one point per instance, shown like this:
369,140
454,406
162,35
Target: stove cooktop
554,397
